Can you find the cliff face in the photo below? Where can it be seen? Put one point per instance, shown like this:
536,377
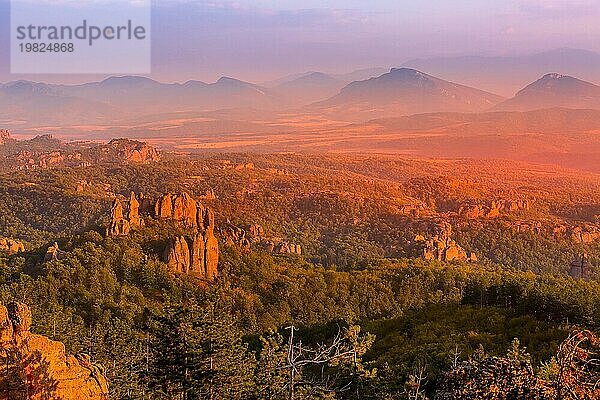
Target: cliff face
196,255
36,368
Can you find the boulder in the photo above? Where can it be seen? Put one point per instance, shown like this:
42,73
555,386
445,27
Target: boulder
38,367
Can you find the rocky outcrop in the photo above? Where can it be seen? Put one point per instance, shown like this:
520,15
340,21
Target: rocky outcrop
442,247
255,234
134,212
54,253
197,255
177,255
236,236
493,209
38,368
184,209
581,267
287,248
44,152
118,225
11,246
125,151
122,219
583,233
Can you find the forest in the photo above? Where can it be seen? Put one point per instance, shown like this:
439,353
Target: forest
361,313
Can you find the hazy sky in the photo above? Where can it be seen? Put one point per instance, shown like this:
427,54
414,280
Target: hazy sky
263,39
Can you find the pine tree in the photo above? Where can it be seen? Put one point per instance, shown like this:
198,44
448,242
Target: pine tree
197,353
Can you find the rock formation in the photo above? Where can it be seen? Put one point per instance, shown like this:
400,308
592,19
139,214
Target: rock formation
38,368
182,208
11,246
493,209
580,267
54,253
197,254
244,238
134,216
123,220
125,151
442,247
118,225
287,248
177,255
583,233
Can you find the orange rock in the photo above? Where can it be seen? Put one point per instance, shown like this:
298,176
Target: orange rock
177,255
118,225
211,254
11,246
39,368
134,216
198,261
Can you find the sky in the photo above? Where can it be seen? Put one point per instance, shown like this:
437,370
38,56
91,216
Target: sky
262,40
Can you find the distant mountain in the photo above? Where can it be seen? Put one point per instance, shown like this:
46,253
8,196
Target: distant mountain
405,91
42,104
358,75
310,88
554,90
361,74
125,97
506,75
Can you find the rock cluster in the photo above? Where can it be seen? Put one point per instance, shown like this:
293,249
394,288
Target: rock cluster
38,368
585,233
245,238
236,236
442,247
197,254
44,152
11,246
494,209
121,220
284,248
184,209
580,267
126,151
